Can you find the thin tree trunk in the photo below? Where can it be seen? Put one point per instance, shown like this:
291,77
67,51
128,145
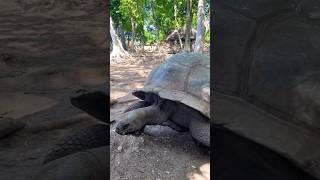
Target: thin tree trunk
188,26
207,23
128,42
200,27
158,40
176,22
156,24
143,44
117,49
133,33
123,40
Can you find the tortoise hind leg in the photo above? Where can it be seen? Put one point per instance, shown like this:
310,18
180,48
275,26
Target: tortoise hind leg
200,130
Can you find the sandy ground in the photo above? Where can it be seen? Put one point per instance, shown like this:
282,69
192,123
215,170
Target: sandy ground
47,53
168,156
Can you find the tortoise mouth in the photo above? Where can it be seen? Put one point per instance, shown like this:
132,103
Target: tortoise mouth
122,129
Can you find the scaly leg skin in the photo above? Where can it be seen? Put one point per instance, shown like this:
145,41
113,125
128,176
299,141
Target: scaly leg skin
167,128
174,126
200,130
159,131
86,165
136,105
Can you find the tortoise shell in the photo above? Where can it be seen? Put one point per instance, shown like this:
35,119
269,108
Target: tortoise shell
184,78
266,75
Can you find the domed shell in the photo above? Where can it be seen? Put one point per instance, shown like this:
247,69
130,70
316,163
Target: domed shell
184,78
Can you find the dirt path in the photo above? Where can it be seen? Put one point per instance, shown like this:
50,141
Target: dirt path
46,55
145,157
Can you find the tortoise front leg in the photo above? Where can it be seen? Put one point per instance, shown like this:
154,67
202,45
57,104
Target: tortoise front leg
136,105
174,126
200,130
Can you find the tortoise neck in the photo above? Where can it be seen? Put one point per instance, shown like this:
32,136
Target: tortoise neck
154,115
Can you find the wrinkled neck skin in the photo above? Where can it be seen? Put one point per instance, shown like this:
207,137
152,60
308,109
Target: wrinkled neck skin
158,112
155,115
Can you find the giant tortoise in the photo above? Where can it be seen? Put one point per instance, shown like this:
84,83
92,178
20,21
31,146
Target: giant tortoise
177,94
266,78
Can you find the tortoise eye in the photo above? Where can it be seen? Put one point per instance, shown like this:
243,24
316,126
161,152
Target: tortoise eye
125,126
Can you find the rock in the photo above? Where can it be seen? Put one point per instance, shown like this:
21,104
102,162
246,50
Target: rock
9,126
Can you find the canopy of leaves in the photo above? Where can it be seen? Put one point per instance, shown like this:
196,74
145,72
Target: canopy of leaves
154,18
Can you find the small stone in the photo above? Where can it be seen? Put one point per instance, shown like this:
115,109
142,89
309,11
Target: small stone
167,172
314,15
119,148
193,166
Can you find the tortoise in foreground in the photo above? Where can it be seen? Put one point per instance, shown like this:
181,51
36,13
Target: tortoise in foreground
266,85
176,94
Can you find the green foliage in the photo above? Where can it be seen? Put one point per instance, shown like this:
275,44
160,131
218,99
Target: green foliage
194,14
132,9
207,37
150,37
152,17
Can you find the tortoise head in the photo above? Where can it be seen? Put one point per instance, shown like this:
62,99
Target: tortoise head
135,120
131,121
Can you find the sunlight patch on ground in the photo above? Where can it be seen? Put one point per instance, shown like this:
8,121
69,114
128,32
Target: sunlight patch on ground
136,85
115,94
17,105
91,76
203,173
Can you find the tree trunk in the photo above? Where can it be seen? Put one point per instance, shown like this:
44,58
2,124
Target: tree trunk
200,28
156,24
176,22
143,44
123,40
133,33
188,26
117,49
207,23
128,42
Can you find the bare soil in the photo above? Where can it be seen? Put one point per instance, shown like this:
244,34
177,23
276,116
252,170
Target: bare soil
165,156
48,51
